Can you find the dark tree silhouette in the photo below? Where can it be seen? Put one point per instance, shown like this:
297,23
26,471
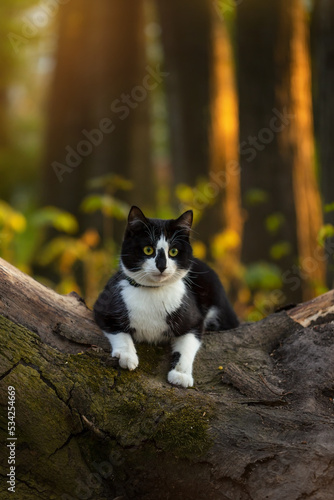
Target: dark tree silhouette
323,57
98,112
188,59
276,142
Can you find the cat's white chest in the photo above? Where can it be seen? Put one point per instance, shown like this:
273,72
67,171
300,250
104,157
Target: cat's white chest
148,309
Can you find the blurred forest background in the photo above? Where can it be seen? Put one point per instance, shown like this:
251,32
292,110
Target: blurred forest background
222,106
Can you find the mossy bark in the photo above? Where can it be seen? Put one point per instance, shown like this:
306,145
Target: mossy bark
76,413
258,424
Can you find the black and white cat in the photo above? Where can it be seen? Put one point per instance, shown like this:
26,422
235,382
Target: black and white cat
161,293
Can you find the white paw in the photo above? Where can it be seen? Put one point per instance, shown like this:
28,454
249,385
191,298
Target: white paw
180,378
127,360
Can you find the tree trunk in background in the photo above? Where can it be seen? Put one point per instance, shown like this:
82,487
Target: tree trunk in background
225,171
266,173
186,37
100,59
225,128
301,142
276,144
195,55
323,52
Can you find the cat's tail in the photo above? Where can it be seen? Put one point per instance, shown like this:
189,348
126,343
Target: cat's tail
221,318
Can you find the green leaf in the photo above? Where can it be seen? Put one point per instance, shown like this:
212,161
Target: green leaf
184,193
256,197
12,219
108,205
262,275
280,250
92,203
66,222
329,207
53,250
326,231
274,222
110,182
57,218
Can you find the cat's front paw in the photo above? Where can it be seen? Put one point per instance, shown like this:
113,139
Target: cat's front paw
180,378
127,360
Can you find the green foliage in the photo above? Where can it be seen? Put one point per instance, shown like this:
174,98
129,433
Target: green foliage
110,183
264,303
274,222
21,234
329,207
56,218
197,198
12,223
11,220
263,276
280,249
107,204
326,231
256,197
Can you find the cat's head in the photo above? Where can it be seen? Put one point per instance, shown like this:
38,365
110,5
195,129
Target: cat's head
156,252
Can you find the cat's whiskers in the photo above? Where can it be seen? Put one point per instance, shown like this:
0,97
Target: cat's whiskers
140,274
176,234
191,282
197,272
177,238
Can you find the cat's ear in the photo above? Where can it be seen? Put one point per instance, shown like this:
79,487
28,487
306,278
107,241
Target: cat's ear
136,215
185,220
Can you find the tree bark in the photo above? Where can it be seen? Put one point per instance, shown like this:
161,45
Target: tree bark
323,56
188,59
258,424
100,65
266,174
278,182
224,186
225,128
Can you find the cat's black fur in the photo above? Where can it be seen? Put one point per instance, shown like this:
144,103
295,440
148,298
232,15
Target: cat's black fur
204,303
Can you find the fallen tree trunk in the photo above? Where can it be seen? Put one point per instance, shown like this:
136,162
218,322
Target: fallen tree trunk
63,322
257,425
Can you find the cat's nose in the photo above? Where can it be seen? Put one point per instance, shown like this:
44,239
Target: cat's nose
161,268
160,261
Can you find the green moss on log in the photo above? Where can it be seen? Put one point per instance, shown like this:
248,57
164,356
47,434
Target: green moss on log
67,402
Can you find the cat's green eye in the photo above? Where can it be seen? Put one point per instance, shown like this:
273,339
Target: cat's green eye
173,252
148,250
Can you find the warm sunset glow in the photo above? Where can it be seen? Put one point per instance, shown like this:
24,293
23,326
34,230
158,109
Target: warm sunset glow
225,128
308,205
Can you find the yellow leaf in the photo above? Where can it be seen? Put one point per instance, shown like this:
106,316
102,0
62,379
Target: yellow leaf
224,241
199,249
17,222
91,238
244,295
184,193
